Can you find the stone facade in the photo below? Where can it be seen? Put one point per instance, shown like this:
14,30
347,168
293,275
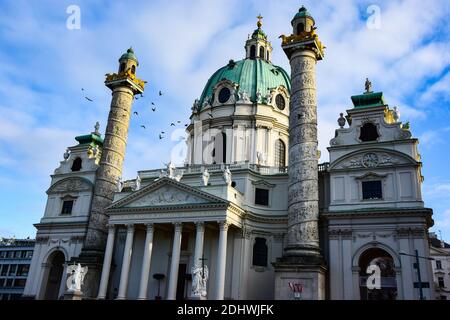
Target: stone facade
264,230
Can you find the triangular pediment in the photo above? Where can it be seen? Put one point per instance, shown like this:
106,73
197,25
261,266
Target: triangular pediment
166,192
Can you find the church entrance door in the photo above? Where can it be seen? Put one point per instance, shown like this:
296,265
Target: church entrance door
181,283
55,273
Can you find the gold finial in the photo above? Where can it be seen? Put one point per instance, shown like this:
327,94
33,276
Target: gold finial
259,23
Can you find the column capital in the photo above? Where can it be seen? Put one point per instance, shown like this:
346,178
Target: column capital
200,226
223,225
149,226
111,227
178,226
130,227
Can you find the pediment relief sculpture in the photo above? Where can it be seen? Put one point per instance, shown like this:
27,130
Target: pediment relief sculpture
74,184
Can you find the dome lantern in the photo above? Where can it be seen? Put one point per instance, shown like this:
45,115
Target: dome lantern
257,46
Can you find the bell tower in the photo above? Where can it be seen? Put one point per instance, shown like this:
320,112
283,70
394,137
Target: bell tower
124,86
302,264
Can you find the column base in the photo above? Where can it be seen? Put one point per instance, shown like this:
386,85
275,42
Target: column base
94,261
300,278
197,298
73,295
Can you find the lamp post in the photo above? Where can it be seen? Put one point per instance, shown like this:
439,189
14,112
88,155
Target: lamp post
419,277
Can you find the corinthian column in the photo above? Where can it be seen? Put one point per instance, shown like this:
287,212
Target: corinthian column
174,265
148,248
221,260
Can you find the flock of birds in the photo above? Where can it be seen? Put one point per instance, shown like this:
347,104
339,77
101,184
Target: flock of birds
153,108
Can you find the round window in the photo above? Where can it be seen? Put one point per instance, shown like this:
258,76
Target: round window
280,102
224,95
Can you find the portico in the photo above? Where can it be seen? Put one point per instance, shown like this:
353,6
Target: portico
190,214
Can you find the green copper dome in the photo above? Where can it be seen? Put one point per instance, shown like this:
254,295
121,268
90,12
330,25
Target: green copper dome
302,13
250,75
129,55
259,34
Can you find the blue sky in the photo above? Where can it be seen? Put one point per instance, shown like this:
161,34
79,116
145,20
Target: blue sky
44,65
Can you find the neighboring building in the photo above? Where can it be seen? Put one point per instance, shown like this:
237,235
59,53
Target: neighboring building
252,202
15,260
440,252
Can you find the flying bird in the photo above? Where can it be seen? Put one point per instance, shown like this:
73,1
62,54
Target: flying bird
88,99
136,113
178,121
153,104
142,126
82,89
186,125
160,93
160,137
153,109
172,124
162,132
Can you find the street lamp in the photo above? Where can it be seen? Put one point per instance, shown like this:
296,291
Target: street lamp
417,264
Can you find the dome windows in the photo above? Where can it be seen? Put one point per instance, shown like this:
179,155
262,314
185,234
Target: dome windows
280,102
280,154
261,52
224,95
300,28
253,52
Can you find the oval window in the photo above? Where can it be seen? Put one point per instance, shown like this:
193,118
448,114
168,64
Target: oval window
280,102
224,95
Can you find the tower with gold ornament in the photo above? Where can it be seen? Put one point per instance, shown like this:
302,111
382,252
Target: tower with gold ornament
300,272
124,86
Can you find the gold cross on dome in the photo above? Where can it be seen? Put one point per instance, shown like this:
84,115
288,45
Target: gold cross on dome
259,23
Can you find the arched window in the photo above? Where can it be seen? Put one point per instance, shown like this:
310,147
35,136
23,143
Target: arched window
368,132
378,259
219,153
133,69
122,67
260,252
252,52
280,102
300,28
76,165
53,278
261,52
268,55
280,154
224,147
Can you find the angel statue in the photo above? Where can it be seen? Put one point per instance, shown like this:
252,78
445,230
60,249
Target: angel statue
227,175
75,280
205,177
200,275
119,184
137,183
170,169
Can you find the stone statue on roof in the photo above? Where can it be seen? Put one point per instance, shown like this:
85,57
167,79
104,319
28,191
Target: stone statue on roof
368,86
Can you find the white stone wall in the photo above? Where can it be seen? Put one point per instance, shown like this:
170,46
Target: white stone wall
350,237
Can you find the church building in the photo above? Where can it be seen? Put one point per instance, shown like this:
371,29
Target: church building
251,214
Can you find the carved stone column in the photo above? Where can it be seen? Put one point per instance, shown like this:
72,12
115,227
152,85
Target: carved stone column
125,273
301,258
124,85
173,277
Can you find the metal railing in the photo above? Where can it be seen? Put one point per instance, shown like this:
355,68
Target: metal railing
197,168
